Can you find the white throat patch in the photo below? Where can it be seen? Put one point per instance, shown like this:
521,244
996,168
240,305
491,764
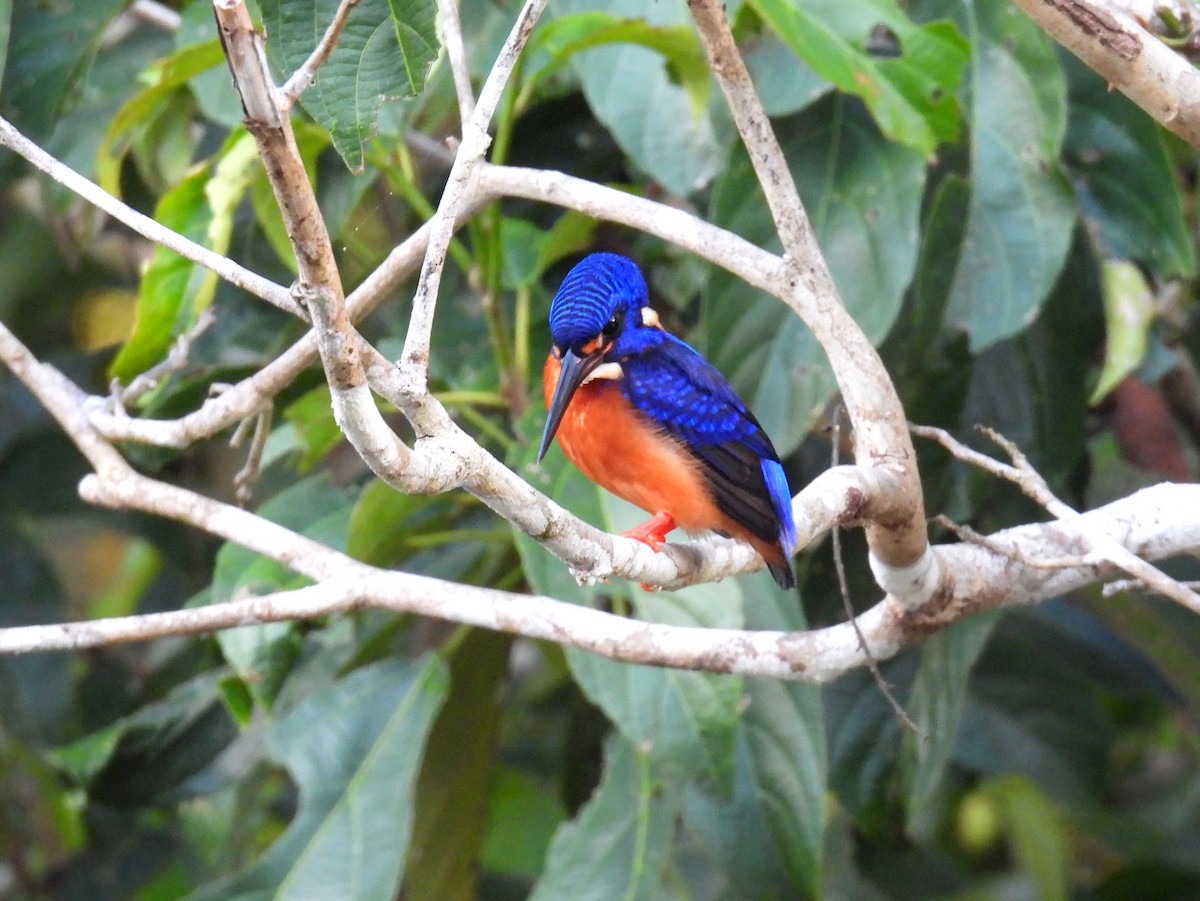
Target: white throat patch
605,371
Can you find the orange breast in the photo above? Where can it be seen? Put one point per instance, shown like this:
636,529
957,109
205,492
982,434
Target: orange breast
621,450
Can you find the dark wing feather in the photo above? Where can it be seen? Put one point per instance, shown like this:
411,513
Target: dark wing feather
677,388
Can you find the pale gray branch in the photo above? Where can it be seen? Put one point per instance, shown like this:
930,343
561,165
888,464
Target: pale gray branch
1103,547
475,142
897,534
1112,42
303,76
145,226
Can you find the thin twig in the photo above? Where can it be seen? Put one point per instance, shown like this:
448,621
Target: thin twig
243,278
456,54
475,140
1103,546
247,477
303,76
1120,586
966,533
174,361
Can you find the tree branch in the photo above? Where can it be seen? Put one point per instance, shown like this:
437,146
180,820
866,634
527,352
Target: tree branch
1108,40
300,80
896,532
1102,547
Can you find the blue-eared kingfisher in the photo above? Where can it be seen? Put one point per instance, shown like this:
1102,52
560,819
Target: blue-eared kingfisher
645,416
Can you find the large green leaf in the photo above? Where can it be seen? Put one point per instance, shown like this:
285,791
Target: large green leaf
935,704
559,40
911,95
34,688
684,718
1126,183
5,31
174,291
1021,213
262,655
164,78
1033,387
778,793
657,123
863,194
1031,714
452,789
147,757
354,751
618,845
50,50
384,53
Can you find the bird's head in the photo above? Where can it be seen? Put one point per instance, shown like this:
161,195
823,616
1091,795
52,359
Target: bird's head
598,317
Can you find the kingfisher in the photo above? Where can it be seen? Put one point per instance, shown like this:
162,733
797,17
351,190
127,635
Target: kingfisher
646,417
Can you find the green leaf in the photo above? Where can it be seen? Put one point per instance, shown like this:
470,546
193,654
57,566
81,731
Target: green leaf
147,757
163,79
617,847
562,38
452,789
683,719
518,800
1123,174
685,156
778,787
384,522
1030,715
383,54
784,83
1129,313
1036,834
263,655
311,416
354,750
1021,215
50,48
935,703
1033,388
174,291
911,95
863,194
784,728
5,32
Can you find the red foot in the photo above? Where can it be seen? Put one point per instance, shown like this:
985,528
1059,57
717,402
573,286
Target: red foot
653,533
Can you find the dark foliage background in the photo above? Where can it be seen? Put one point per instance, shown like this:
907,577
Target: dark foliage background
1018,239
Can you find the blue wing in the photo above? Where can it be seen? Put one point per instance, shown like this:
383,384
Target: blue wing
677,388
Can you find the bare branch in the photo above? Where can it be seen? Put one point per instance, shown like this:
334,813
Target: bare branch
1137,63
145,226
986,581
897,535
1102,547
456,54
1155,522
475,141
299,81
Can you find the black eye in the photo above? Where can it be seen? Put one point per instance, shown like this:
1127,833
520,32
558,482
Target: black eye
609,332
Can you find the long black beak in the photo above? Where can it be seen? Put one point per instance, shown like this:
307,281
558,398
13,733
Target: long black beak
574,370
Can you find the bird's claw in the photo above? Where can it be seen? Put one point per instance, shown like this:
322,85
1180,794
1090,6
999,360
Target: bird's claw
653,534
